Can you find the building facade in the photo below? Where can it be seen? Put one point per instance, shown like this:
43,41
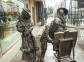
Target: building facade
36,8
76,15
9,11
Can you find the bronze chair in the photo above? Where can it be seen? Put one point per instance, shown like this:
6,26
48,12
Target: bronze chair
64,50
64,43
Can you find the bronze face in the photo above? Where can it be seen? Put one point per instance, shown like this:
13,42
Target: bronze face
25,14
61,13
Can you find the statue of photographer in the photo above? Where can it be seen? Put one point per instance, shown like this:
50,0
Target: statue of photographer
29,46
58,24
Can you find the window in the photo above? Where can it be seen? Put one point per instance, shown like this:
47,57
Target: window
26,5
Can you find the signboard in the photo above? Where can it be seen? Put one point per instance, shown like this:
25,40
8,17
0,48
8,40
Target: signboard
80,3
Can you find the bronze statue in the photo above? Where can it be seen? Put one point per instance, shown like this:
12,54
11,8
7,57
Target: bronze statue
29,46
44,39
58,24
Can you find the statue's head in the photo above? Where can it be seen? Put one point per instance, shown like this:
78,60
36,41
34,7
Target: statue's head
25,14
62,11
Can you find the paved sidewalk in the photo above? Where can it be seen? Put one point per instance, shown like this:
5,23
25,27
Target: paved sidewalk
8,56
